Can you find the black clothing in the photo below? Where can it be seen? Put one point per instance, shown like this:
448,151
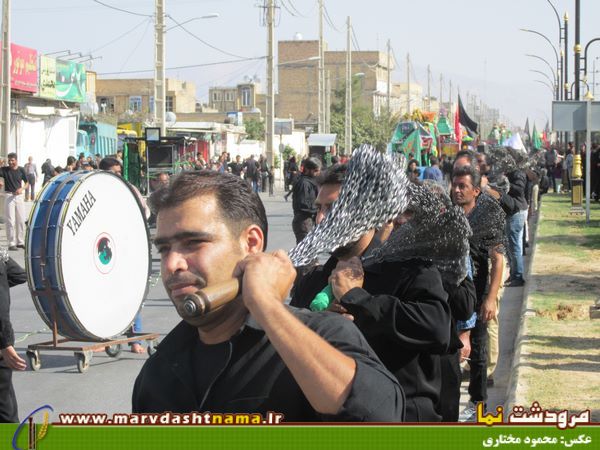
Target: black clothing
403,313
251,167
236,168
48,171
514,201
13,178
250,376
304,194
11,274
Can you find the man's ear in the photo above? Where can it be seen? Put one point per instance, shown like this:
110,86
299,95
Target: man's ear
252,239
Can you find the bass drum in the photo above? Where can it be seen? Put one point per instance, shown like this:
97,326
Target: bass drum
88,255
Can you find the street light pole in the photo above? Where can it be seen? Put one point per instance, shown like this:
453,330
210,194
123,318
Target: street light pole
5,104
159,68
270,109
348,127
566,65
320,83
577,49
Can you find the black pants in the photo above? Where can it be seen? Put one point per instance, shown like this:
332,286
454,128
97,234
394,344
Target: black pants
8,399
449,404
478,363
301,225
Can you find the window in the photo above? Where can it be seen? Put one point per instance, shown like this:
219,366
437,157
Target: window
135,103
230,96
151,104
216,96
246,97
169,103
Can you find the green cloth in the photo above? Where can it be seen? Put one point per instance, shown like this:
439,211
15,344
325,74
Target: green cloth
535,138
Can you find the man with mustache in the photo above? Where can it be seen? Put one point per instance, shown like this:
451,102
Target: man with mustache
253,354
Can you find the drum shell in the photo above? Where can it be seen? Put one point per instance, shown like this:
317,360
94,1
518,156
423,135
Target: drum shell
49,268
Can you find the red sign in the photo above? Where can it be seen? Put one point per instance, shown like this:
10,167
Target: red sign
23,68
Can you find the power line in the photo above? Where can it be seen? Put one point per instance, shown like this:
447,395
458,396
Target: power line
296,9
122,10
288,9
136,46
120,36
203,41
184,67
328,19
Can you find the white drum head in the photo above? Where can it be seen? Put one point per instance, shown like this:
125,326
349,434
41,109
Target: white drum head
104,253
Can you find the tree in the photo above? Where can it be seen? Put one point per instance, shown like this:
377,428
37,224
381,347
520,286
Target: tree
255,129
366,127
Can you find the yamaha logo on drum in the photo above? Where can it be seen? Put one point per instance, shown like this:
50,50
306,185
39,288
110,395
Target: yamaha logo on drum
104,252
81,212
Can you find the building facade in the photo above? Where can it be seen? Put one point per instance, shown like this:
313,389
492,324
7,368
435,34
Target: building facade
128,98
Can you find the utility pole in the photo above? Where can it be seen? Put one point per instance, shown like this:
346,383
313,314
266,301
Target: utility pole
428,88
270,89
321,75
389,77
566,65
441,90
577,49
450,97
348,128
5,104
160,94
327,102
408,84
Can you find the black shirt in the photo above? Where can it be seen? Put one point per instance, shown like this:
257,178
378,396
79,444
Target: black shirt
236,168
304,194
247,375
404,314
251,167
13,178
11,274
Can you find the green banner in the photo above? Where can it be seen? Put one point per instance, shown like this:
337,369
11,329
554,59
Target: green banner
62,80
290,437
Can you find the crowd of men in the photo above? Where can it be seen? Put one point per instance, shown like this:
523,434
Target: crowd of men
409,302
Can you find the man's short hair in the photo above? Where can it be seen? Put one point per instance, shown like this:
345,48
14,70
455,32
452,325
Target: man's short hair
469,154
312,163
11,155
239,205
470,171
108,162
433,161
336,174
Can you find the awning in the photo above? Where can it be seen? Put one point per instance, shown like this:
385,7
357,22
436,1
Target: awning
321,140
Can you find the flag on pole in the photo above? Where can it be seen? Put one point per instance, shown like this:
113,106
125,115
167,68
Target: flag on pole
535,139
526,133
457,130
471,126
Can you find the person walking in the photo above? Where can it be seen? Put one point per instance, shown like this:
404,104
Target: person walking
15,184
31,173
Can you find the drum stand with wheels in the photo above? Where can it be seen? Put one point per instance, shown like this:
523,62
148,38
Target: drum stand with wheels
83,353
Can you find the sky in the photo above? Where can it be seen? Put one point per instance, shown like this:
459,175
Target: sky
475,43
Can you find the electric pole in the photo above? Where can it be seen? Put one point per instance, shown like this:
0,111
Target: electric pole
577,49
348,128
5,103
441,90
321,75
160,95
270,109
389,77
428,88
408,84
327,103
566,65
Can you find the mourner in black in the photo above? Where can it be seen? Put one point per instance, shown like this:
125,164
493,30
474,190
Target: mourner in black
400,308
304,194
11,274
253,354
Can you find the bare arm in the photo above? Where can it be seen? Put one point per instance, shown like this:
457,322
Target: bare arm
488,308
324,373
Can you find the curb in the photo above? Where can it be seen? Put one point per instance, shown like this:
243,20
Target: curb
514,382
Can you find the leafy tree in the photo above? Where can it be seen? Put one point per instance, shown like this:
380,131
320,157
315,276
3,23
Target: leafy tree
255,129
366,128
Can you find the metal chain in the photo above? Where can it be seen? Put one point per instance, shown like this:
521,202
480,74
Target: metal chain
375,191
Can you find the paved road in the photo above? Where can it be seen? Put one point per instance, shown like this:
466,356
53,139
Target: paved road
107,385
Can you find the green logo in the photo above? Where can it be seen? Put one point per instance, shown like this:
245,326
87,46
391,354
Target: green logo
104,251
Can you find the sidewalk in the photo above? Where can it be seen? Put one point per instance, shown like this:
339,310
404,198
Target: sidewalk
557,362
